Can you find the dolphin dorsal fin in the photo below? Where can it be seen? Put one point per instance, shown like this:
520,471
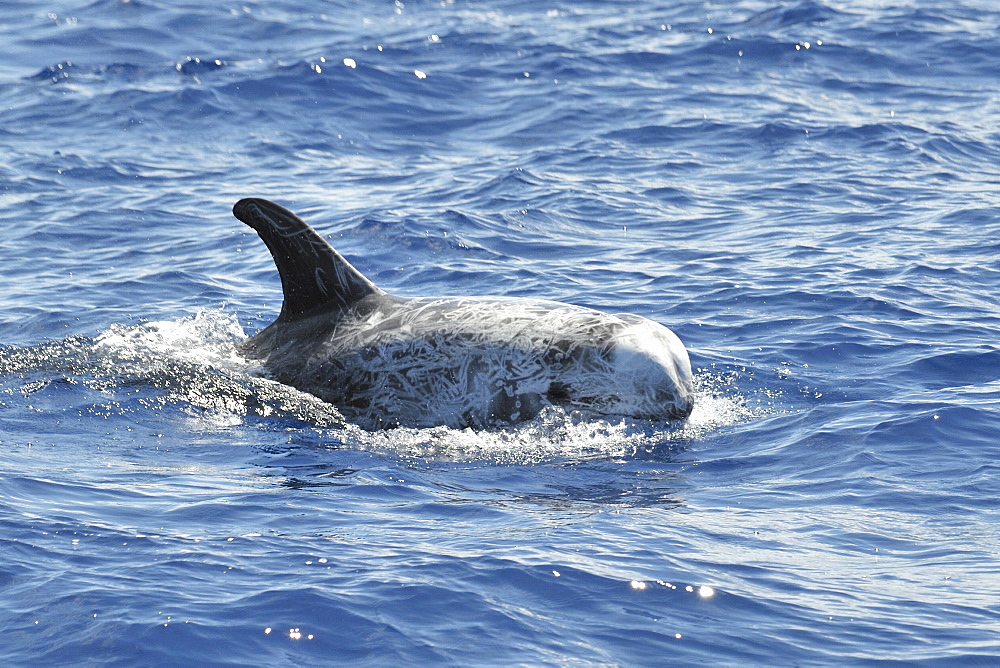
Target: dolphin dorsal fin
312,273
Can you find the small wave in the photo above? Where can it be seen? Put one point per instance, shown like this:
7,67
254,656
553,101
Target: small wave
117,74
194,66
554,435
799,14
54,73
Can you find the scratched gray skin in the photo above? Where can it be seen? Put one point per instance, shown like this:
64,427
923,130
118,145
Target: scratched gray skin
388,361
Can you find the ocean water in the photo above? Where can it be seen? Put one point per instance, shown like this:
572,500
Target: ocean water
807,193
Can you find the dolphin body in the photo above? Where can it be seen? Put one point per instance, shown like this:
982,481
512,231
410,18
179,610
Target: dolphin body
388,361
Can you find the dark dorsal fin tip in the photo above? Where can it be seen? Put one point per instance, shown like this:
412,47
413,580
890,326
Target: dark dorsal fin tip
313,274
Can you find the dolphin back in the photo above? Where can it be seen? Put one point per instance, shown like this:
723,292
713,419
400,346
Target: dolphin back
313,274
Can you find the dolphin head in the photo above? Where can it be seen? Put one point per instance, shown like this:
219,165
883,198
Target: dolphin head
652,372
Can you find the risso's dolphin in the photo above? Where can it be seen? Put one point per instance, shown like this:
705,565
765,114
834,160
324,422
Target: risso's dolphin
389,361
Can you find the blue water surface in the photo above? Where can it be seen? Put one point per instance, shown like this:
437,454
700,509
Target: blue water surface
807,193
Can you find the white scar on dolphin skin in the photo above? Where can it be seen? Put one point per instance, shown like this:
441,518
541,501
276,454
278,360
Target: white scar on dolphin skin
389,361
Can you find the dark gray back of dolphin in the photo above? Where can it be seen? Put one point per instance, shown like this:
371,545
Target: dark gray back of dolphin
313,274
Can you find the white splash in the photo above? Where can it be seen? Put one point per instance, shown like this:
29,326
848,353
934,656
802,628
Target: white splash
207,337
